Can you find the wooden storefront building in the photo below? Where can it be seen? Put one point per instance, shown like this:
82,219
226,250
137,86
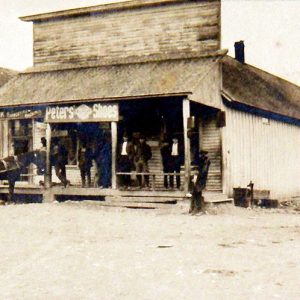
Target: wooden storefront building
152,66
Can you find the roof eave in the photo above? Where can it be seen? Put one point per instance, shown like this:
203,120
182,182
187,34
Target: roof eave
129,61
232,100
106,99
103,8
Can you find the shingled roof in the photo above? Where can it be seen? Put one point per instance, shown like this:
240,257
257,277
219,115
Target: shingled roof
105,83
6,75
251,86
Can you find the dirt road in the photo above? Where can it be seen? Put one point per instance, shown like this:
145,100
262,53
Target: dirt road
82,251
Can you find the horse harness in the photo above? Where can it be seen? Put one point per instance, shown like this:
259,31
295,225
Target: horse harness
9,164
4,165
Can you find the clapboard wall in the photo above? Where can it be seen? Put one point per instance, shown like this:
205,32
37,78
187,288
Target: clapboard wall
210,141
176,26
262,150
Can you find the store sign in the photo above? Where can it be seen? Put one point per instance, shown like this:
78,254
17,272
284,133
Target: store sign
21,114
96,112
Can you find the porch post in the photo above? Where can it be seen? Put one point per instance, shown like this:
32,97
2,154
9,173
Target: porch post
187,152
114,137
47,178
31,170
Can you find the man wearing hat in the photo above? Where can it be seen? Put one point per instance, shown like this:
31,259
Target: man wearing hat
105,161
85,163
165,152
199,182
142,155
125,160
175,161
59,160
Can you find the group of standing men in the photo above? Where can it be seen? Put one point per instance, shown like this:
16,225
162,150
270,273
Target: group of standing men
172,159
134,156
101,154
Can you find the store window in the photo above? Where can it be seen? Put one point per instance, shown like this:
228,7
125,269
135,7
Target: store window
21,136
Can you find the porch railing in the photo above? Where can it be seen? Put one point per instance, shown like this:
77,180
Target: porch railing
152,175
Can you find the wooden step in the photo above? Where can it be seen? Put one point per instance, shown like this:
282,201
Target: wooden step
139,202
214,183
213,189
214,178
136,205
210,197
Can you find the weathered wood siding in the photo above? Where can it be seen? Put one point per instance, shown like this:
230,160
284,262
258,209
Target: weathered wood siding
267,154
210,141
187,27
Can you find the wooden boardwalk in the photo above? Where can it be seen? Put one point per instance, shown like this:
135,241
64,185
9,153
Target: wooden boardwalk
117,198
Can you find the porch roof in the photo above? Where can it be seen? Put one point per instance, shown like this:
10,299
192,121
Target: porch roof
180,77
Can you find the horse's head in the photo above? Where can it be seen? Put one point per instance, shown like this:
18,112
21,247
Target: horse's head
39,159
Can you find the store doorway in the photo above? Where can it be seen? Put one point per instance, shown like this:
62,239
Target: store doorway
152,118
157,121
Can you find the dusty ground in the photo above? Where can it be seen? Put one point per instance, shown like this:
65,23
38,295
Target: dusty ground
82,251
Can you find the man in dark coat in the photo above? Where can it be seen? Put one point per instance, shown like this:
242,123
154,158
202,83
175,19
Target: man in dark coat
165,152
125,160
59,160
105,161
175,161
85,162
199,182
142,155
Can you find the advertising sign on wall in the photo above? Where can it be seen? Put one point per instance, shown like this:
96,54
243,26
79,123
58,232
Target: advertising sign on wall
21,114
96,112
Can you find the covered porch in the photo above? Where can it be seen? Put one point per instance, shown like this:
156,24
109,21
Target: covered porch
187,90
152,118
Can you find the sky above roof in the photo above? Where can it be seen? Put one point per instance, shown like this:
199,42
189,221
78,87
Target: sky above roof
270,29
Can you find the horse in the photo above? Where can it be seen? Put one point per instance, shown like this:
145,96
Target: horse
12,167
